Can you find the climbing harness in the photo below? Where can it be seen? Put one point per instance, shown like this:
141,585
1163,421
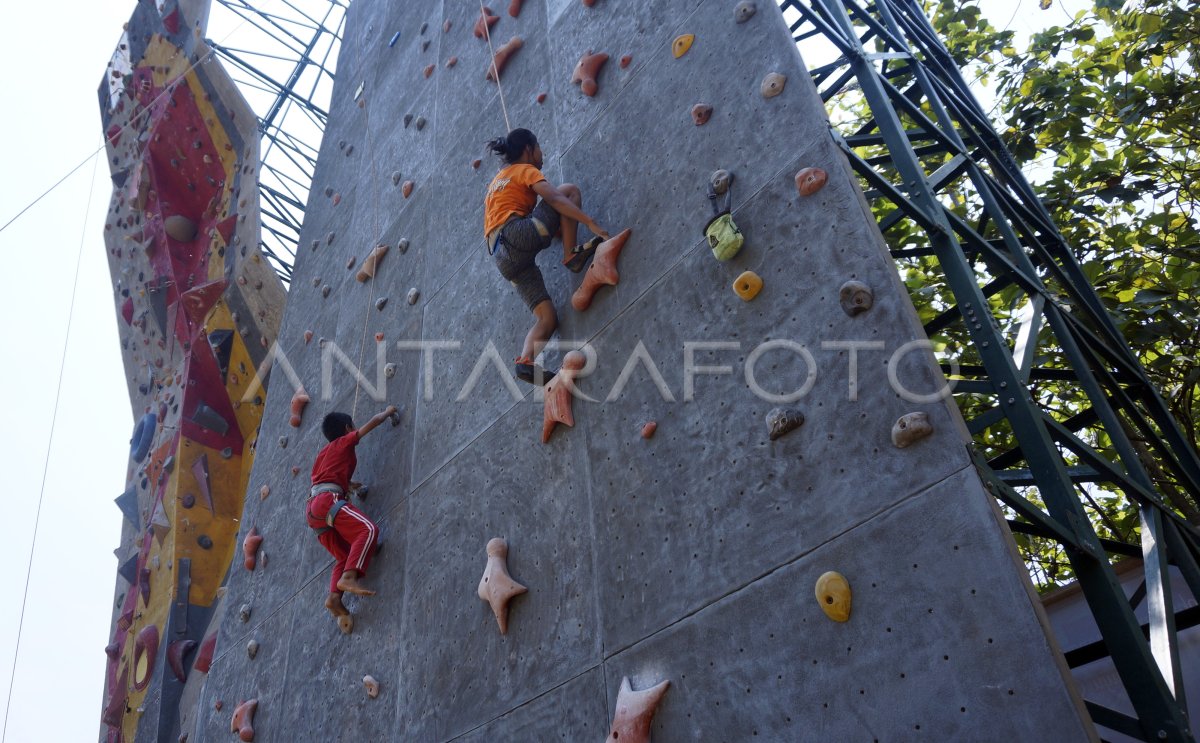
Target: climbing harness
340,502
496,236
724,237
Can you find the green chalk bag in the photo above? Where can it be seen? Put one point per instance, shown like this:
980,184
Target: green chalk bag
724,237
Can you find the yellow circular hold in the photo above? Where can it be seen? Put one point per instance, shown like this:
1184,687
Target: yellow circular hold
141,671
681,44
748,285
833,594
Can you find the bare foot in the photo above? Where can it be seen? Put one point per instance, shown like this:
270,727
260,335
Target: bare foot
352,585
335,606
345,624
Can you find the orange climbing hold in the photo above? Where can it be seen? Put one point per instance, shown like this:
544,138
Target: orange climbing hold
602,272
299,400
370,264
649,429
586,71
407,189
635,710
503,55
497,587
810,180
429,70
250,547
243,720
514,8
748,285
486,20
833,596
559,393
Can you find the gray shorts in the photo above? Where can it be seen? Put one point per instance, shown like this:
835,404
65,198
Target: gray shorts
517,249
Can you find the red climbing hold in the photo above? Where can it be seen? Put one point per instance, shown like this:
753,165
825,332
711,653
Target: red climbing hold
204,658
171,21
145,652
701,113
127,310
586,70
541,98
407,189
625,61
429,70
514,8
649,429
175,654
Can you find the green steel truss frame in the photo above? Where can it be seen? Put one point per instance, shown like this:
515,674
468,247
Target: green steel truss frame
935,168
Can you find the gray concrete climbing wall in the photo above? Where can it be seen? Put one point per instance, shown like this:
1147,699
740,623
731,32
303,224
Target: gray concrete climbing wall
690,556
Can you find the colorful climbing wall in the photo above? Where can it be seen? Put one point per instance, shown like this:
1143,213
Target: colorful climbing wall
697,553
199,308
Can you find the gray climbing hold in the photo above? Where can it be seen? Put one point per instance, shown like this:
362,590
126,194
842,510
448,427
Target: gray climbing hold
316,244
325,291
414,294
381,303
316,281
252,649
244,613
420,123
389,370
856,297
911,428
720,181
402,246
329,238
283,442
772,85
396,178
189,500
328,191
180,228
349,150
204,541
342,144
407,120
782,421
744,11
227,453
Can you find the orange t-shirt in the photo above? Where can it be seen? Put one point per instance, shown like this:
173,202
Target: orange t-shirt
511,192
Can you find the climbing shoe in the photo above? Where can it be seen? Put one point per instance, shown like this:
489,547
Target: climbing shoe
528,371
580,254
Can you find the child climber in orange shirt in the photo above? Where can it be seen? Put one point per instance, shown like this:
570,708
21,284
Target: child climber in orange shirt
518,226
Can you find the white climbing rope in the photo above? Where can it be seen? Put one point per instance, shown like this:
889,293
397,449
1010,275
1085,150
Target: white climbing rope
495,72
366,107
49,444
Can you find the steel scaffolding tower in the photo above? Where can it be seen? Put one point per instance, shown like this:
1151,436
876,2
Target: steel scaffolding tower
284,64
956,209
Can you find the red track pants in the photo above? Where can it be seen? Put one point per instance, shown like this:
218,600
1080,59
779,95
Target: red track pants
351,541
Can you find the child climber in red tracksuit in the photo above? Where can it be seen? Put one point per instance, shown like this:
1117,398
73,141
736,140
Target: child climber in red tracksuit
341,528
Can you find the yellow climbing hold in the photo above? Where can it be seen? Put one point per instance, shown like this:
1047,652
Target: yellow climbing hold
833,594
748,285
681,44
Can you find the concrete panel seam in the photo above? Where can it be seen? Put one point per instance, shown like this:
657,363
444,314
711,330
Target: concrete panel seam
791,561
531,700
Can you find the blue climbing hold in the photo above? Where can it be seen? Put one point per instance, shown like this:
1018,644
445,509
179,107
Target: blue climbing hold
143,436
395,38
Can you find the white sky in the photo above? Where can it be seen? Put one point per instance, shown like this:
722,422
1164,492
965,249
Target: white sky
54,58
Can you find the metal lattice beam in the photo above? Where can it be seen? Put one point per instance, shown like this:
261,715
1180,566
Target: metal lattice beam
955,206
284,64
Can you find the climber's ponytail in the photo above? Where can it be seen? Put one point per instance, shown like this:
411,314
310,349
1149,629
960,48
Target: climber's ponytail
514,145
